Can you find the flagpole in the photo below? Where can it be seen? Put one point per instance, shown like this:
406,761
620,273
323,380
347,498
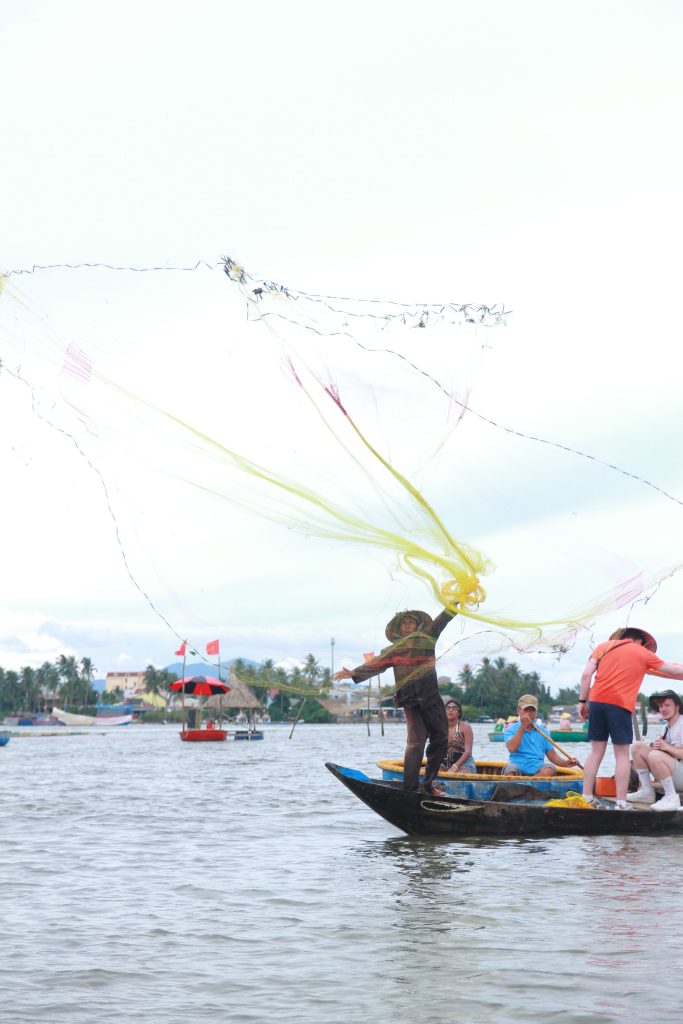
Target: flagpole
183,651
218,665
214,647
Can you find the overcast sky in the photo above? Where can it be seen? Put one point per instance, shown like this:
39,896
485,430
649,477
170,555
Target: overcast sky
525,154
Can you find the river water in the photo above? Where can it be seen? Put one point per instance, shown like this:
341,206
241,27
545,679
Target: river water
148,880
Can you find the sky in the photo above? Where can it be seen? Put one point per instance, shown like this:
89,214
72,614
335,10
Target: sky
525,155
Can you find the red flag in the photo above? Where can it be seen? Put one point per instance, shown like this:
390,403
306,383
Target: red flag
182,648
212,647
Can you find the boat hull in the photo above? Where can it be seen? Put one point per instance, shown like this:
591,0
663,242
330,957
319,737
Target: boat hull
246,734
482,785
66,718
203,735
4,738
454,818
558,735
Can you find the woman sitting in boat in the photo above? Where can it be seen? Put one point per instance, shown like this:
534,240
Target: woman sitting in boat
460,737
529,746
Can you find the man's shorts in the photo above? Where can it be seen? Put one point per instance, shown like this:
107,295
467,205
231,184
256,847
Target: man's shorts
609,722
512,769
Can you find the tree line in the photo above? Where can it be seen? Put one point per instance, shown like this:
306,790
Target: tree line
489,690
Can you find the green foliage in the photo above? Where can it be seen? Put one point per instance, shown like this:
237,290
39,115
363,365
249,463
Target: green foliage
495,687
568,695
315,712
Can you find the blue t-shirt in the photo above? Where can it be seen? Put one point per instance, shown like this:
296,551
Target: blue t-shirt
530,754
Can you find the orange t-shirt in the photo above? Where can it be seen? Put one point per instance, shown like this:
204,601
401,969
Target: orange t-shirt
619,675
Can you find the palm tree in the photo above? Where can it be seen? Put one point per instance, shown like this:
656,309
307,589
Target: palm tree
30,687
11,694
68,673
87,675
158,681
48,680
311,670
326,681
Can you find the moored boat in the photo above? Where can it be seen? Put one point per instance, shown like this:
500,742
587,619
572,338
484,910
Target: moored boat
40,718
203,735
67,718
489,774
458,818
4,737
558,735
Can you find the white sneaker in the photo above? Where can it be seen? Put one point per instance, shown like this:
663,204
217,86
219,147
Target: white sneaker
644,795
668,803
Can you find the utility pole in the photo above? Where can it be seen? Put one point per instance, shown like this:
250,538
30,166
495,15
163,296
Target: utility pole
332,656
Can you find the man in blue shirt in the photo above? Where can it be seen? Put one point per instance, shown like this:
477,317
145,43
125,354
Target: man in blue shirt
529,746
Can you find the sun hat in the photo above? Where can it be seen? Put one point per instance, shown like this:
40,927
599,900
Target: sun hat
393,628
565,714
450,700
511,719
527,700
662,695
649,640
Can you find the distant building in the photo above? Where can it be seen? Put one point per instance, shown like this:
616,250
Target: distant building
132,683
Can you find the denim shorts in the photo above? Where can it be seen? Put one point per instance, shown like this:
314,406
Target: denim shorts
609,722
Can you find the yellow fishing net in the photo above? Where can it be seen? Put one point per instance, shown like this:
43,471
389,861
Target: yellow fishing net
334,418
574,800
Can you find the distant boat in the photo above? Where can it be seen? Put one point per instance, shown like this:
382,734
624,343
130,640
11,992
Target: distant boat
203,735
4,738
40,718
87,720
115,710
559,735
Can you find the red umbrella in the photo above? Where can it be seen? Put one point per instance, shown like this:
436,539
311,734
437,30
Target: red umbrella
201,686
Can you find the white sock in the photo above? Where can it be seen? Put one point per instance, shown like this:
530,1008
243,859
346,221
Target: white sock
668,786
644,777
623,803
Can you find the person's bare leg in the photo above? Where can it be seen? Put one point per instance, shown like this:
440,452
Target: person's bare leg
622,769
592,764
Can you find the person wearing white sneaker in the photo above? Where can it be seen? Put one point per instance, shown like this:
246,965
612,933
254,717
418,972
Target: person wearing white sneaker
663,758
619,666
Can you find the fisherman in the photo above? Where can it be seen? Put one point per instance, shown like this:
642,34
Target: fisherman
619,666
529,746
413,635
663,758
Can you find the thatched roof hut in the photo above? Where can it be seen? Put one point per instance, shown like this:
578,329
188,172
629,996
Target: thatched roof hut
240,696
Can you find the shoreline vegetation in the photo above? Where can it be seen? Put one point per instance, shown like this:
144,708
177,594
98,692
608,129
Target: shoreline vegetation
305,693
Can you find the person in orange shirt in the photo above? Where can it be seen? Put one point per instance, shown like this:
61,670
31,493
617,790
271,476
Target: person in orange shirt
619,666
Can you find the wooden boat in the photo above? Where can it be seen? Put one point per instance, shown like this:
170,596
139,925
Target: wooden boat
203,735
248,734
456,818
76,720
40,718
559,735
489,775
